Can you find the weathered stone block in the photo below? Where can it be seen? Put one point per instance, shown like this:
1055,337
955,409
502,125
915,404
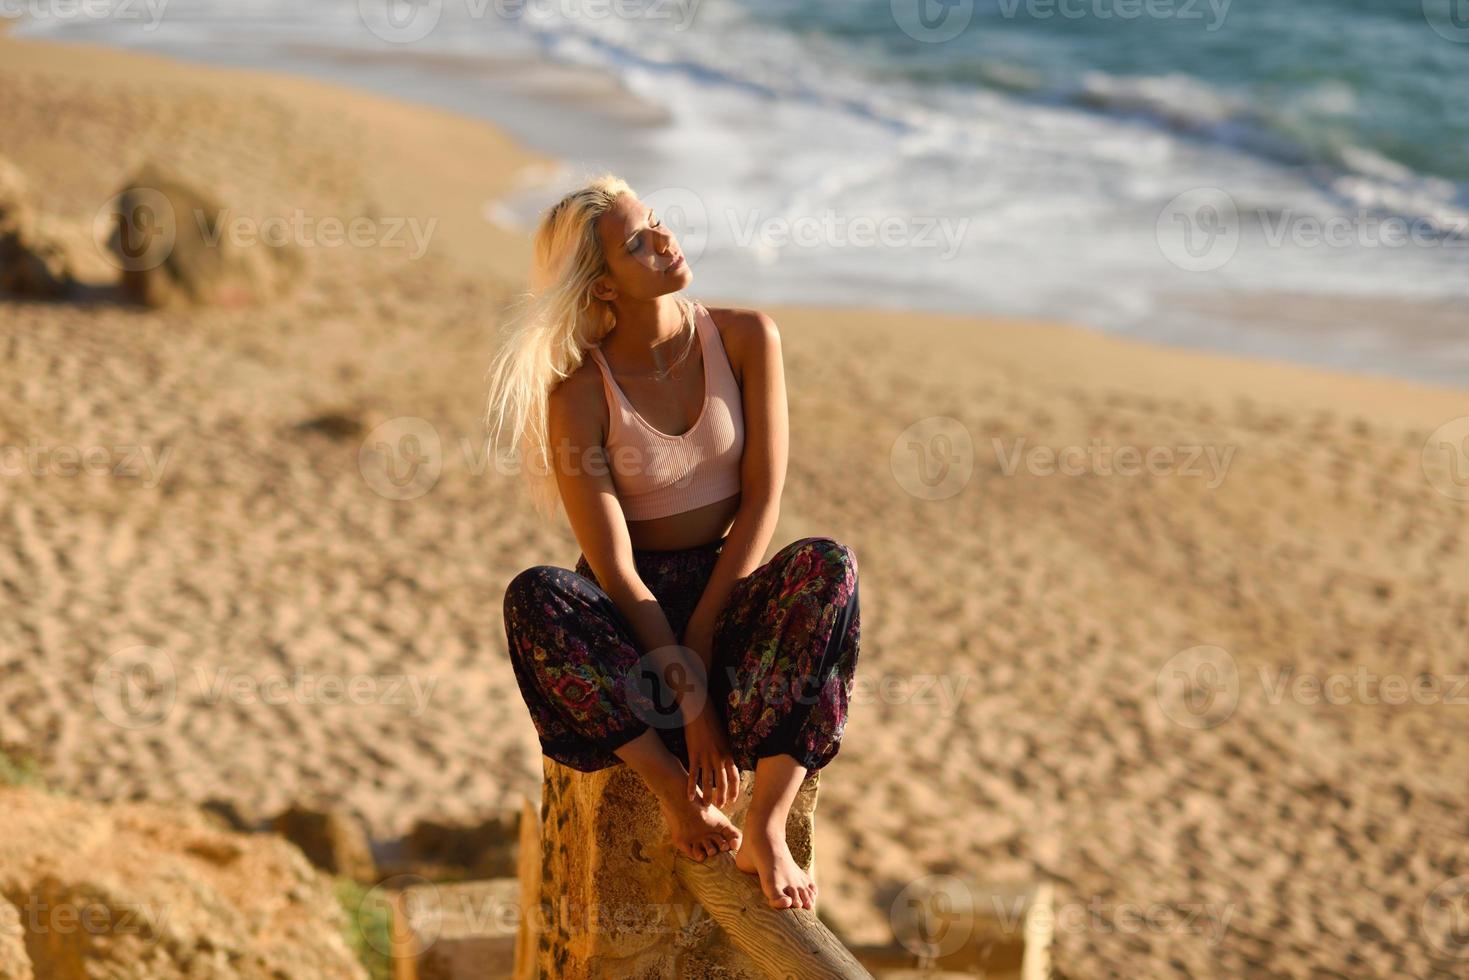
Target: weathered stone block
607,900
459,931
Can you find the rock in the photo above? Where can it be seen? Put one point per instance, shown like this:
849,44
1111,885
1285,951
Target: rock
484,850
226,815
15,962
157,893
176,248
332,840
608,900
458,931
333,425
33,264
993,928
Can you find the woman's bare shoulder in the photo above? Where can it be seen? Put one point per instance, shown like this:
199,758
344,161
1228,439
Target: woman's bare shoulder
740,329
580,397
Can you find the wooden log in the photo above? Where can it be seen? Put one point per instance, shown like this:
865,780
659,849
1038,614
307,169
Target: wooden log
529,872
786,944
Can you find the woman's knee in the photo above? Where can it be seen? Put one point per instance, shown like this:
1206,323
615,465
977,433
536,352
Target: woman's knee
835,558
529,588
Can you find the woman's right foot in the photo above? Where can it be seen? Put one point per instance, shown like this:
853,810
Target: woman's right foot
699,830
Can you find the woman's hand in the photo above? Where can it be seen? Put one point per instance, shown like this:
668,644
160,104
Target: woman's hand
712,769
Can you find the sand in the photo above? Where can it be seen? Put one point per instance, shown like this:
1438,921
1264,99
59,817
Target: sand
1007,724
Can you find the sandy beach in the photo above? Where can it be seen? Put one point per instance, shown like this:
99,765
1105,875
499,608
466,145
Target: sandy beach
1053,527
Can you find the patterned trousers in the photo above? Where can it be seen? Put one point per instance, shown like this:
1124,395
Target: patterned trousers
783,659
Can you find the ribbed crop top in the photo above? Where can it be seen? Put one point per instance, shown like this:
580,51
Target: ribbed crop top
658,475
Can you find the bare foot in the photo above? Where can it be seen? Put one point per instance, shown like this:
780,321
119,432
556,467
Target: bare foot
765,853
699,829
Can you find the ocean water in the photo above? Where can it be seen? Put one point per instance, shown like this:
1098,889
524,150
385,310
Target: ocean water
1243,176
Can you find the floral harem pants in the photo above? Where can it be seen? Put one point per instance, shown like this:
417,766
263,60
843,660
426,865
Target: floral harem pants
783,659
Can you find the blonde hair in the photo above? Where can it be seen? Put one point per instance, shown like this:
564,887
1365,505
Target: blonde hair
546,339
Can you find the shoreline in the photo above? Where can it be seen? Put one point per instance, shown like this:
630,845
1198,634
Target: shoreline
532,166
560,103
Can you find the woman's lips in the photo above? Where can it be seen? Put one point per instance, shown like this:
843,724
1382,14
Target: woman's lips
676,264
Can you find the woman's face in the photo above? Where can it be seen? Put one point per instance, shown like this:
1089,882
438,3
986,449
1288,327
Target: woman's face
643,257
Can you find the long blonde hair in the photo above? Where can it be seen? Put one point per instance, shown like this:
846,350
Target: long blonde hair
547,336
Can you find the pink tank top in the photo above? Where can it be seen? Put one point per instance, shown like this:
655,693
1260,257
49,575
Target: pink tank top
657,475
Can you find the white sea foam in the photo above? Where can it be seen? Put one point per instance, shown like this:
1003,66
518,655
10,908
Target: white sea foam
1064,203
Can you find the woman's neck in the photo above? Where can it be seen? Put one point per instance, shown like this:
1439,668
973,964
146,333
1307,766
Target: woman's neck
644,326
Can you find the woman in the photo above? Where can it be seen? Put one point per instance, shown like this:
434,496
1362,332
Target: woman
660,426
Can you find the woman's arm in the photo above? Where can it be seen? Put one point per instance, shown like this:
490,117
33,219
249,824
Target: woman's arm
575,423
753,343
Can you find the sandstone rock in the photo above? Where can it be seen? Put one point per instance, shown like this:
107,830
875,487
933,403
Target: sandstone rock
952,922
175,247
226,815
333,425
15,962
484,850
32,263
156,893
458,931
331,839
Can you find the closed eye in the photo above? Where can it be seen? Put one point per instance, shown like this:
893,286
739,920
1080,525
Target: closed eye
638,241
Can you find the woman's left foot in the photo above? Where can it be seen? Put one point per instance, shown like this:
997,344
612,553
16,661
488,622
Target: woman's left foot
764,852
